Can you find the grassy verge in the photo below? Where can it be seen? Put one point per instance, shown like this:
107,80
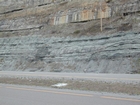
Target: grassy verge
87,85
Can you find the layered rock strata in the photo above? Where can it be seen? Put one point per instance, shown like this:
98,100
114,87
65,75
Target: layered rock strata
118,53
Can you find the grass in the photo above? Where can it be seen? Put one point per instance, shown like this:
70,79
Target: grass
76,32
75,84
94,29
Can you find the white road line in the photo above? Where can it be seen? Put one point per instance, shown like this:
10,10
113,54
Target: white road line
123,99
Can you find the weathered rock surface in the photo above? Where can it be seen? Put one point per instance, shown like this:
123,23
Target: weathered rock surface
116,53
29,43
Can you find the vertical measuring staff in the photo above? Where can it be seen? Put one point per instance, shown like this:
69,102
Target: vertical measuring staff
101,19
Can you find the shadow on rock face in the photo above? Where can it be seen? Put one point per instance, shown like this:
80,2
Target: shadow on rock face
41,53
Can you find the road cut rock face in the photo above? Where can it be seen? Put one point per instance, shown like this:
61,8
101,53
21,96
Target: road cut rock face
29,43
117,53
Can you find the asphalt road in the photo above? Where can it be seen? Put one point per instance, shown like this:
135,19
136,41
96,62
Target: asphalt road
24,95
90,76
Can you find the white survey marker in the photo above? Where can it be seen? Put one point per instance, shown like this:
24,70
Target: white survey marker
60,85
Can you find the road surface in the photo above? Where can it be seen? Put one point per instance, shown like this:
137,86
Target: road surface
90,76
24,95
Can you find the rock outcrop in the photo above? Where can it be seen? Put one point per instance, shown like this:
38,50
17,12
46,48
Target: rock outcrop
116,53
29,43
